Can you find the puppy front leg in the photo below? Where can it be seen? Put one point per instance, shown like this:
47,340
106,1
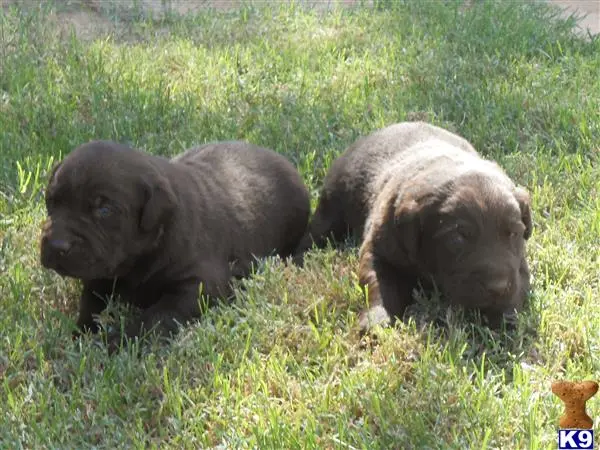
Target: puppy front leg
178,304
389,291
173,309
92,302
327,223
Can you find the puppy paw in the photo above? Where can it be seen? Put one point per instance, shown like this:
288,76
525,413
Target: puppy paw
511,319
76,334
297,259
81,330
495,319
114,342
372,317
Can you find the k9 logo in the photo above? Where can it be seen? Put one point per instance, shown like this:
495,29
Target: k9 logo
575,439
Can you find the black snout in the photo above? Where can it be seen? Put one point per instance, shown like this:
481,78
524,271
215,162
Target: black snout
55,246
499,285
499,281
59,246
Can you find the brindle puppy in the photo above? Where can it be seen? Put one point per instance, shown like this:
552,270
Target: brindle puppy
156,229
429,209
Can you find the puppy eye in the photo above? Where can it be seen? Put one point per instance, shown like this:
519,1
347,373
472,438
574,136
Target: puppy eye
101,207
103,211
456,240
513,234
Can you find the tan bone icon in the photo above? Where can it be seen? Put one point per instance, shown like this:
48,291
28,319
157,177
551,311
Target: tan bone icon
574,395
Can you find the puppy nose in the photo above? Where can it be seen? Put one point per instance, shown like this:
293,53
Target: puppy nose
499,286
60,246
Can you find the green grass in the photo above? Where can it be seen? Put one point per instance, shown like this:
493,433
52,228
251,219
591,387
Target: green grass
283,367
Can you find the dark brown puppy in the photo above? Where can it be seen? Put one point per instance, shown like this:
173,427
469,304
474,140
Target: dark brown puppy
428,208
155,229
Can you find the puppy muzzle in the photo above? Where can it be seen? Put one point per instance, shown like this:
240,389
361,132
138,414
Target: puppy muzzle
55,248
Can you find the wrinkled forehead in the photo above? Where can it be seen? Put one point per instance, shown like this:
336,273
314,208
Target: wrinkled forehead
483,199
92,174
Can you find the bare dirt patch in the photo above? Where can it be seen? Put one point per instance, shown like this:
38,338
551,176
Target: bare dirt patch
87,25
89,18
588,8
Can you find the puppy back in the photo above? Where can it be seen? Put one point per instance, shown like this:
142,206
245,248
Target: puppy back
372,155
359,173
263,192
241,164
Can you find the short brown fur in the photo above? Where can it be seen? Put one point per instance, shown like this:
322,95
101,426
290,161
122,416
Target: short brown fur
428,208
154,229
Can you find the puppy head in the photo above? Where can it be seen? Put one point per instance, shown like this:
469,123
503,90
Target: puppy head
469,235
106,206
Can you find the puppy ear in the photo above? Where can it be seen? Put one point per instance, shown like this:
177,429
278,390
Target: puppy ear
400,233
524,200
410,217
53,171
407,223
160,203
